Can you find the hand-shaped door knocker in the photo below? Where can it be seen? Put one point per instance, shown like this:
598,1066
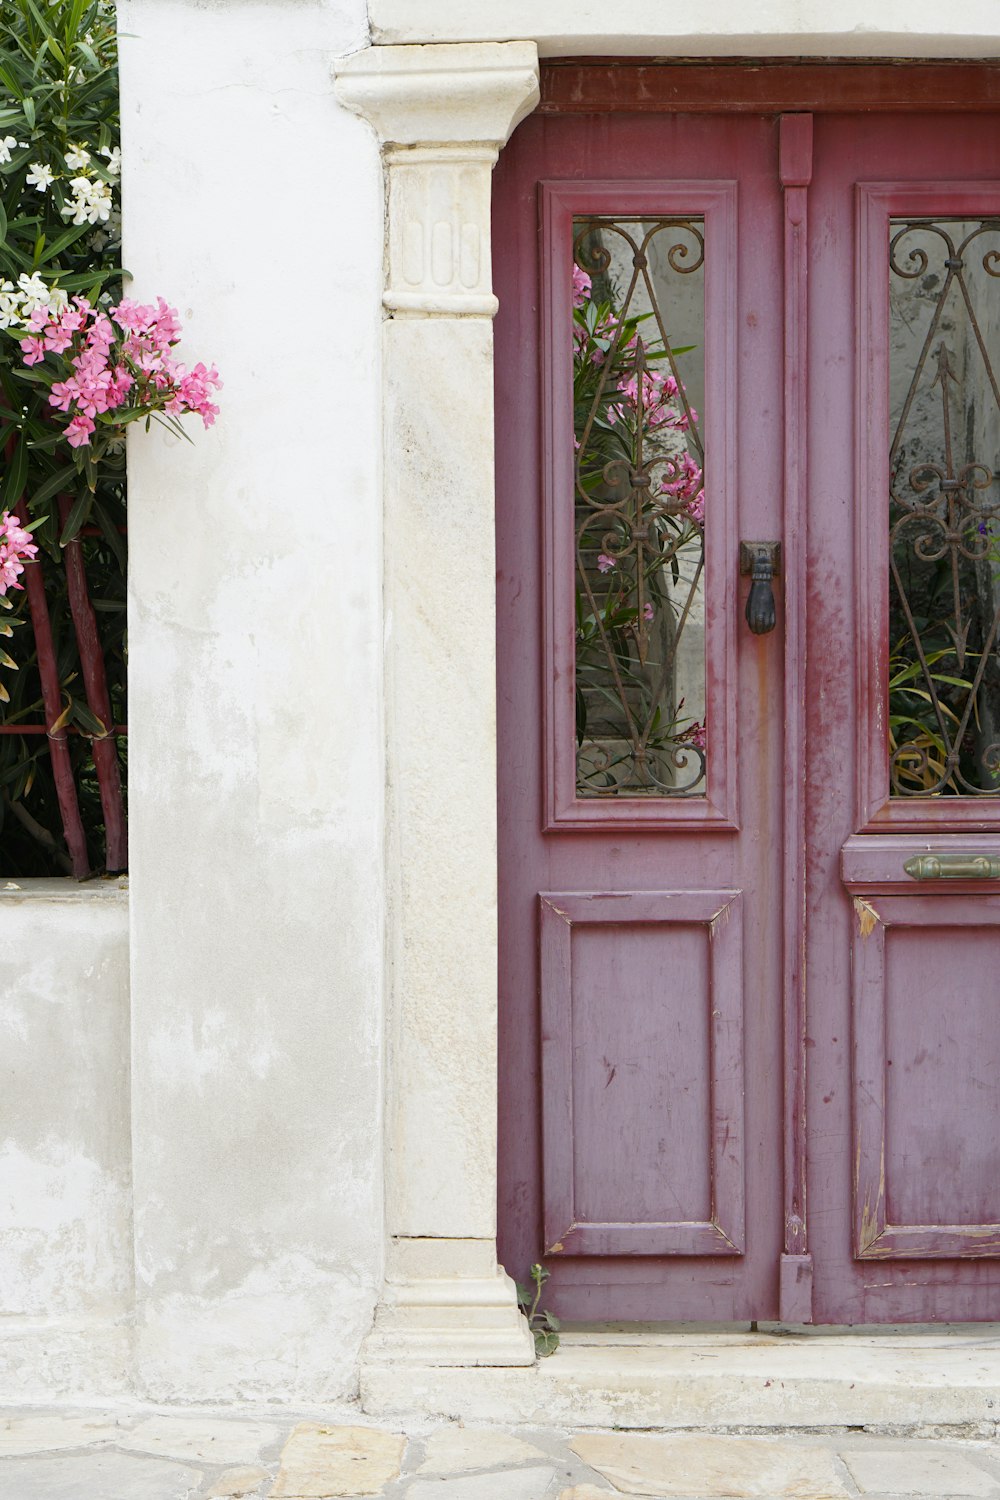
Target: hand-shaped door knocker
761,561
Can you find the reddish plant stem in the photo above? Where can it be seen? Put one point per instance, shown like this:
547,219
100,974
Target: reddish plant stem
62,766
21,728
95,684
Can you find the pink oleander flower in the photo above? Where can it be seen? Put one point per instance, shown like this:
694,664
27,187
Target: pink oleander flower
195,389
10,571
168,324
57,339
696,508
684,483
79,431
75,316
648,612
581,286
656,398
696,734
16,546
133,316
102,334
605,563
117,363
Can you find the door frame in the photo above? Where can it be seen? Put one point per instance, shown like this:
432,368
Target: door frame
442,113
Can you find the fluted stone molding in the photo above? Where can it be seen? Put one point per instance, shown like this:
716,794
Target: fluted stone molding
442,113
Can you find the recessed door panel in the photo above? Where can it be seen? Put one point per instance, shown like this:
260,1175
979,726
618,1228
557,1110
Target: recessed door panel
642,1084
927,1077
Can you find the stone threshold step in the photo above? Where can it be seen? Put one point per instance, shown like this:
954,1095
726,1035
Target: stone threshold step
907,1383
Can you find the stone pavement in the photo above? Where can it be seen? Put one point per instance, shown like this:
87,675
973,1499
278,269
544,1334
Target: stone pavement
149,1453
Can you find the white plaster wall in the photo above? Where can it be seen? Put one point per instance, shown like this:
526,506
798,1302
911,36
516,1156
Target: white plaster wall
254,202
724,28
65,1189
257,770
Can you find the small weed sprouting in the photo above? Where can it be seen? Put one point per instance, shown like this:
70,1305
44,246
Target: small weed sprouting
544,1325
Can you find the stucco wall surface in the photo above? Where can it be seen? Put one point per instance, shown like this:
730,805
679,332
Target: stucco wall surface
254,203
65,1188
776,28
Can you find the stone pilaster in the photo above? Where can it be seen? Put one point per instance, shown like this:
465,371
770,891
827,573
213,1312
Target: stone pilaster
442,113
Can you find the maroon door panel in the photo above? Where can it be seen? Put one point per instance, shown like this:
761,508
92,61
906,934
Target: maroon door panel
749,1016
926,1078
644,1154
902,989
642,1003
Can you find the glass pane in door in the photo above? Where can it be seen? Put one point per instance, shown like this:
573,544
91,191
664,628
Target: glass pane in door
638,390
944,507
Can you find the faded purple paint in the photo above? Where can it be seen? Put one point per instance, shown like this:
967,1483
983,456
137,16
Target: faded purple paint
901,1050
658,1146
795,167
927,1077
642,1019
906,1131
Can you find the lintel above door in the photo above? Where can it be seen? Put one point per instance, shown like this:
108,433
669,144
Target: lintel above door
753,86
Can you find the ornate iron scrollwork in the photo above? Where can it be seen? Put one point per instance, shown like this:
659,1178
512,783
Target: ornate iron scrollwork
639,497
944,709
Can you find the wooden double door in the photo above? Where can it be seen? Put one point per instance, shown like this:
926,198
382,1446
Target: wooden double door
750,846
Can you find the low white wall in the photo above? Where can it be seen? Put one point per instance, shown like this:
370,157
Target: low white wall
254,203
65,1178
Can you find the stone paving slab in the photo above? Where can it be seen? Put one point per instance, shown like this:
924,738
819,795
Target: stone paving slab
97,1476
209,1440
139,1453
322,1462
946,1476
45,1432
715,1467
239,1484
511,1484
459,1450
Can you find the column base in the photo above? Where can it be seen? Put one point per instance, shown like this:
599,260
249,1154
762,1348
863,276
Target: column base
448,1302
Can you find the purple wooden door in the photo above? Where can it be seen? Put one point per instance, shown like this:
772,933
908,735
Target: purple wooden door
641,958
748,1062
903,988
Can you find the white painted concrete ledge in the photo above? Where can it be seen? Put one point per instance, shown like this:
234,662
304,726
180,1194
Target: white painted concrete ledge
893,1381
721,28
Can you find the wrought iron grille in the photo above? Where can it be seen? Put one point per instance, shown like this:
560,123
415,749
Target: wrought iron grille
638,294
944,508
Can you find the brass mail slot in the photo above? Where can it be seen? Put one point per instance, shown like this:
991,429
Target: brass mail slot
953,867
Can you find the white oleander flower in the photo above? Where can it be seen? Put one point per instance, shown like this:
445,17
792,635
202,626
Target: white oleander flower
91,201
114,155
40,177
77,158
10,304
34,293
7,145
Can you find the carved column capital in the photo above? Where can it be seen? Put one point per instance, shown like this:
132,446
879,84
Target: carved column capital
442,114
